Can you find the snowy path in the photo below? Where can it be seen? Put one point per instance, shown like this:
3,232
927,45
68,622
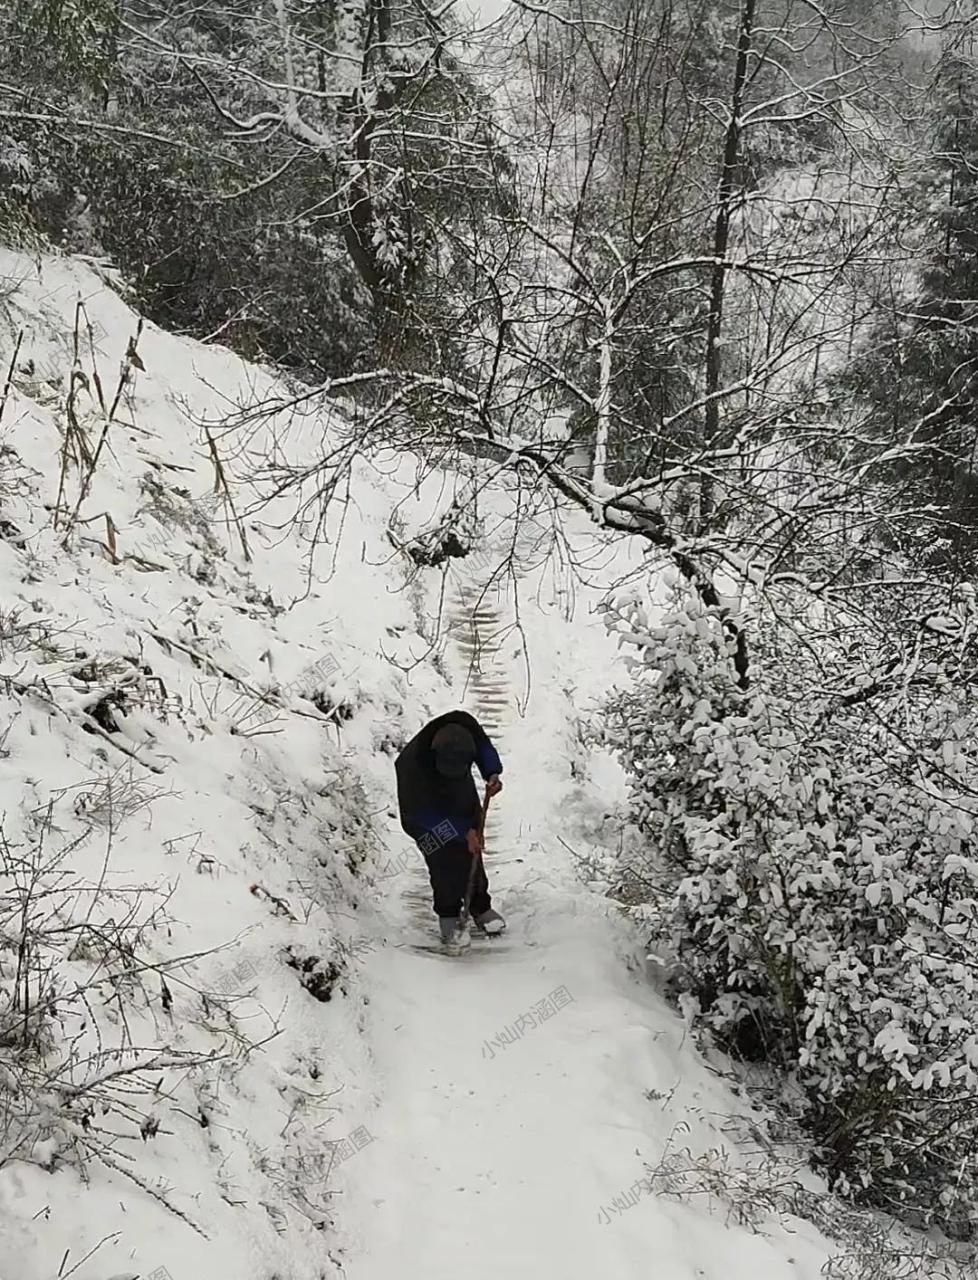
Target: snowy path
489,1158
497,1159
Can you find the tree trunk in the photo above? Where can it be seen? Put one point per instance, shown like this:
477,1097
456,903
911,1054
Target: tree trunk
721,243
603,400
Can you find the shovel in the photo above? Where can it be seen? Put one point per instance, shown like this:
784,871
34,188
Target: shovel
462,936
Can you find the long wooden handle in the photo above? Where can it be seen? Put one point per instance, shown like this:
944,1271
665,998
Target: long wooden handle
485,811
476,859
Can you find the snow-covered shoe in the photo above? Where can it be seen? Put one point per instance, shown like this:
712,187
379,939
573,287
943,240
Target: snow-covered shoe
489,922
449,928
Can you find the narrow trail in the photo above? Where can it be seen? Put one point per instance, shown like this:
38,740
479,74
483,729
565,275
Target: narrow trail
477,1161
515,1083
478,625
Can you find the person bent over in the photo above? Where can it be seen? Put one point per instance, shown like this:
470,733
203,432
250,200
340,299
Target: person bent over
440,810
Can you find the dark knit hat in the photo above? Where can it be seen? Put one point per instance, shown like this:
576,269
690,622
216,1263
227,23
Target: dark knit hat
454,749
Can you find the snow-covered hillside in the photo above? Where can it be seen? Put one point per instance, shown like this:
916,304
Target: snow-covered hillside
227,1048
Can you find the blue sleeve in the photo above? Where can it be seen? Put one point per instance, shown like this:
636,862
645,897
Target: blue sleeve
487,758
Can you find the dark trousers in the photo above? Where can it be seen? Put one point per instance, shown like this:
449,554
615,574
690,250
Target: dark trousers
448,868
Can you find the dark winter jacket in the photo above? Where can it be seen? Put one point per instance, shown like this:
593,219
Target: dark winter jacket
433,808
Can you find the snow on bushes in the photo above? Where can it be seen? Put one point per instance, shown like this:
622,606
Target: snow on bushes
808,851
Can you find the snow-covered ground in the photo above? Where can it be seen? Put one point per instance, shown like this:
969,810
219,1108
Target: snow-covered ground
232,1052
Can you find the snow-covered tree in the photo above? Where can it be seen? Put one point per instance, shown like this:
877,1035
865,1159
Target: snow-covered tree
807,853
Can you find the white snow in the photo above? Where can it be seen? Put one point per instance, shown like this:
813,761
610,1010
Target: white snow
500,1112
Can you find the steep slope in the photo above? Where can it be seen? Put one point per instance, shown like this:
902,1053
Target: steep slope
180,796
225,1047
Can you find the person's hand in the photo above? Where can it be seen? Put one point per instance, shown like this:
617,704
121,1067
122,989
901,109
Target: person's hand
474,841
494,785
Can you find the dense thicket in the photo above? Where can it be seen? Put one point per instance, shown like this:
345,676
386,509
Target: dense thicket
805,850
